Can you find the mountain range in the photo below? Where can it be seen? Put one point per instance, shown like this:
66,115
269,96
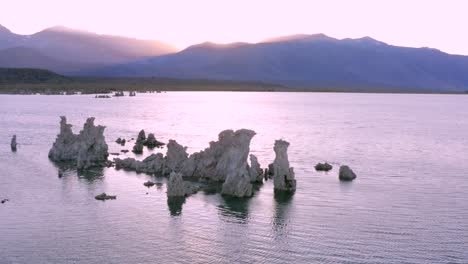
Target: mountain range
316,61
69,50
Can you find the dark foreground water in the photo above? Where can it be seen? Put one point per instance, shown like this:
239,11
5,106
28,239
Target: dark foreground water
409,203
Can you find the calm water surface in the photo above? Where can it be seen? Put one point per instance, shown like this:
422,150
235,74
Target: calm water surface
408,204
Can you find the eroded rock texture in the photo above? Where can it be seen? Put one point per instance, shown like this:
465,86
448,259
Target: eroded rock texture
255,171
283,175
151,141
153,164
87,149
177,187
224,160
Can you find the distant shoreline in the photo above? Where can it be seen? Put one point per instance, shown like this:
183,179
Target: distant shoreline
103,85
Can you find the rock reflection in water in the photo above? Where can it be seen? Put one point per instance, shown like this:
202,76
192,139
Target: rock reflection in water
281,211
175,205
234,209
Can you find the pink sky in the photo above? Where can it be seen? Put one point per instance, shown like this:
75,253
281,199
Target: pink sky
416,23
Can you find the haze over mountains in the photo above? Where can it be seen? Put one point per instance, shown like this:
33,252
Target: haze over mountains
67,50
316,61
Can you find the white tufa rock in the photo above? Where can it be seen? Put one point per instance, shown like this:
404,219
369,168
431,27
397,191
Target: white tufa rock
255,171
224,157
238,184
177,187
176,156
283,175
88,148
224,161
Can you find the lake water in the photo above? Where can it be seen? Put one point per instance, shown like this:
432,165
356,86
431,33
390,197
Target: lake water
408,205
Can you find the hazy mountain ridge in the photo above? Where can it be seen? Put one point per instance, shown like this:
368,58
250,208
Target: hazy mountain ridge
310,61
300,60
79,47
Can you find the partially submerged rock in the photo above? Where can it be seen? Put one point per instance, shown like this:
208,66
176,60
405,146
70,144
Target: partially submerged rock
224,161
224,157
104,196
346,174
141,136
177,187
102,96
149,184
121,141
138,148
151,141
283,175
4,201
13,143
87,149
323,167
238,185
153,164
117,94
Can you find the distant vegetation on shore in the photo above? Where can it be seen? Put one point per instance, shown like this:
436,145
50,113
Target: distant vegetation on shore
38,81
32,81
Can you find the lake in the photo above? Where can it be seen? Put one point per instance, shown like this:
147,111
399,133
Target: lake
408,204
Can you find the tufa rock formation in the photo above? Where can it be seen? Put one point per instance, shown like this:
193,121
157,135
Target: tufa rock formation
151,141
255,171
87,149
177,187
224,160
283,175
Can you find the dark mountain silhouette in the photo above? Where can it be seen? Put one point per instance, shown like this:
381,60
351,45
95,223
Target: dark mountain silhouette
29,76
82,47
310,61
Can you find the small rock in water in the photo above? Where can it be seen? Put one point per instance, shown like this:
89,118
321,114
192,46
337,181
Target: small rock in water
138,148
149,184
13,143
4,201
115,154
120,141
346,174
141,136
124,150
104,196
323,167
